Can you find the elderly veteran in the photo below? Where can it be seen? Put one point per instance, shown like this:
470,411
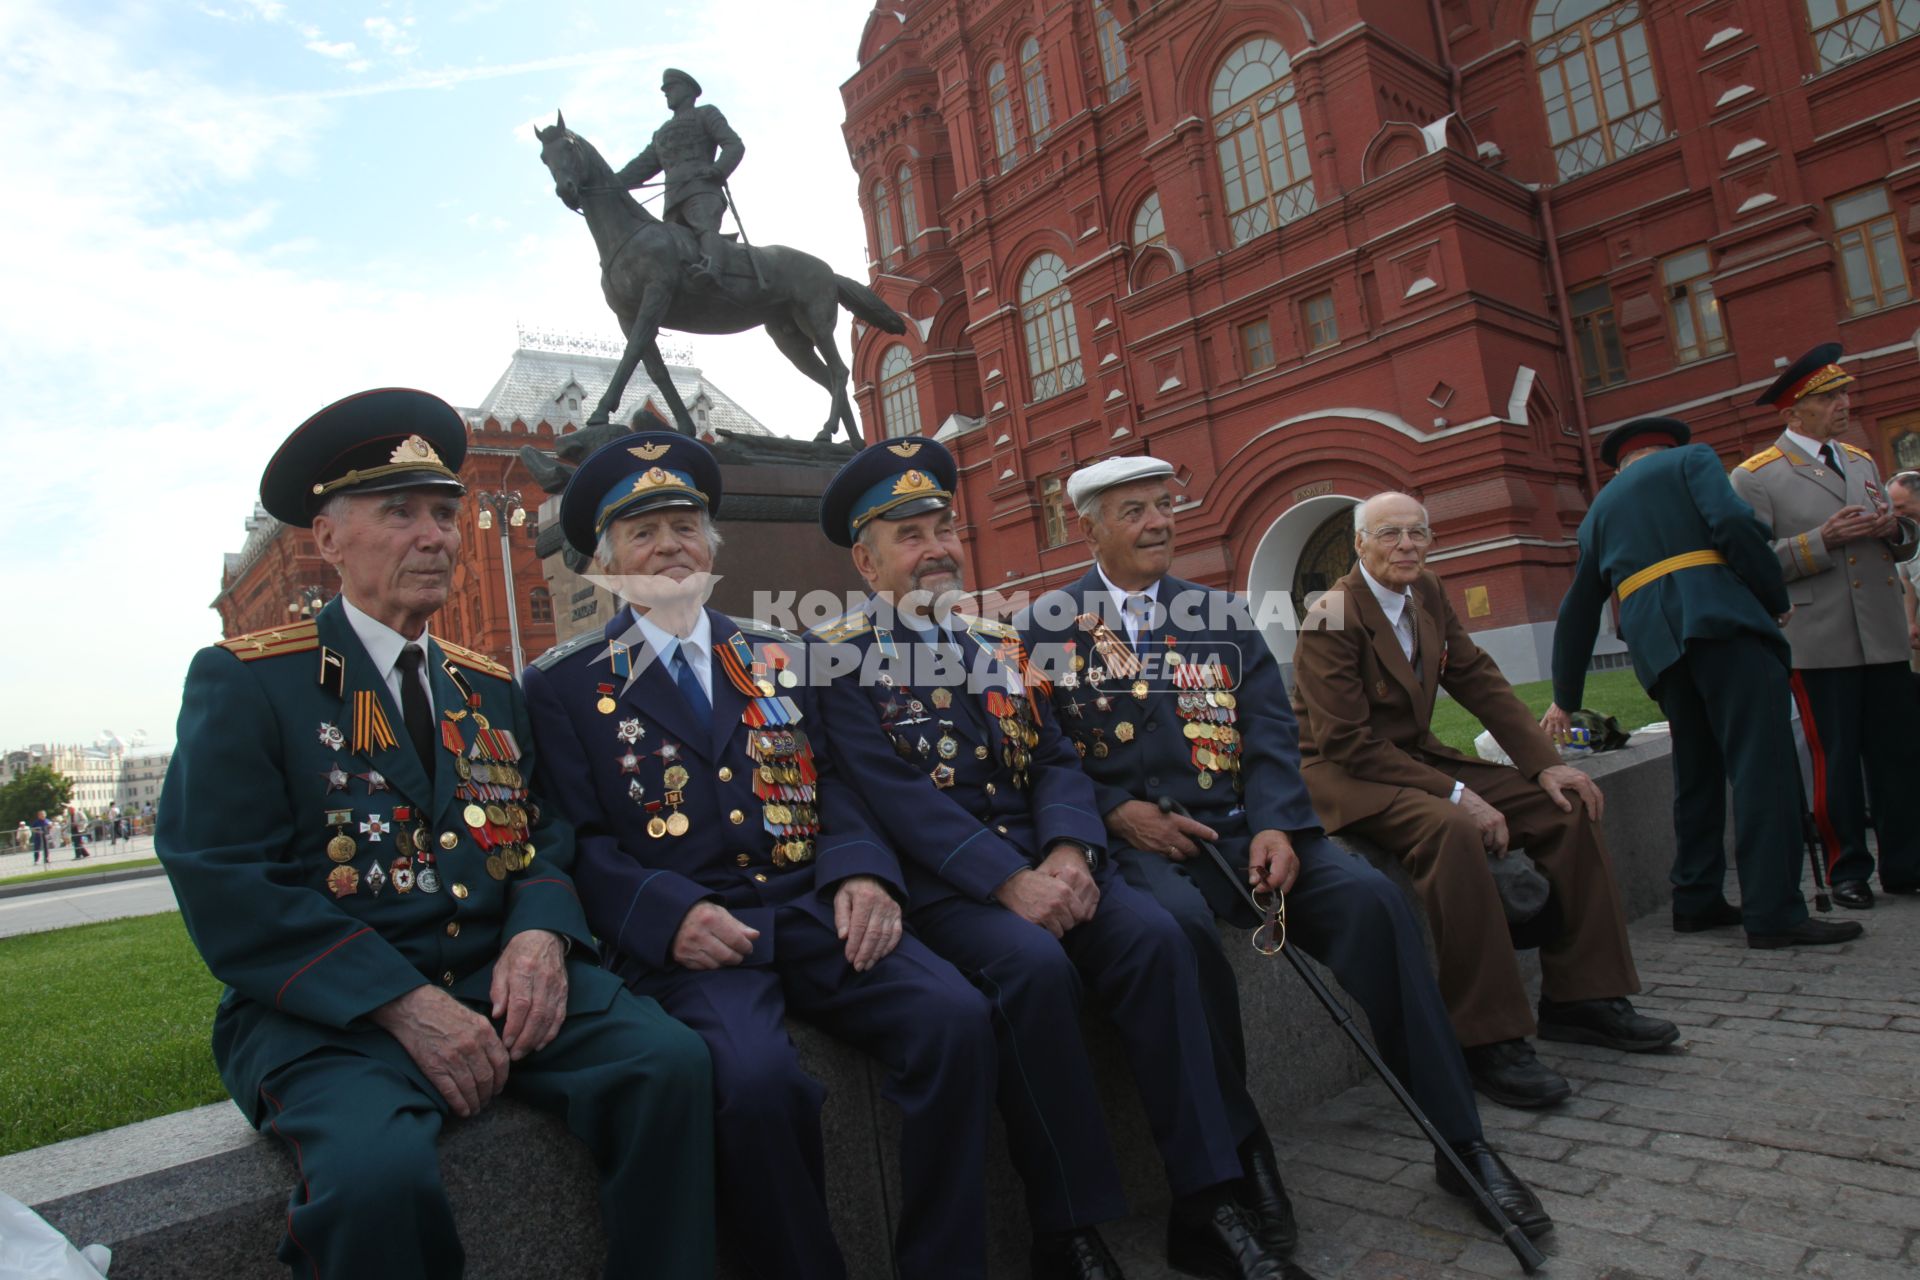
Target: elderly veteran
1700,592
1139,661
685,751
964,767
1839,544
1372,658
350,830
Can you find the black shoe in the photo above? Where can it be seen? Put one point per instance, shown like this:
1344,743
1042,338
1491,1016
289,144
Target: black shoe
1515,1198
1808,933
1263,1193
1721,915
1212,1235
1073,1255
1853,895
1611,1023
1508,1072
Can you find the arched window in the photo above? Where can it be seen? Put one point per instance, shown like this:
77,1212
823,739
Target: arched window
1596,81
1847,29
909,210
899,398
1148,226
1262,142
1053,339
1033,82
1000,107
1113,53
883,220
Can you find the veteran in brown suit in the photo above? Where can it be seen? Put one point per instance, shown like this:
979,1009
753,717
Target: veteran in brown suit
1375,653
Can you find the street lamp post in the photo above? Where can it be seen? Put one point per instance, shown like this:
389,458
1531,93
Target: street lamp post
307,603
506,504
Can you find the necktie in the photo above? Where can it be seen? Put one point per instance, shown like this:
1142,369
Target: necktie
1831,455
413,705
690,684
1139,609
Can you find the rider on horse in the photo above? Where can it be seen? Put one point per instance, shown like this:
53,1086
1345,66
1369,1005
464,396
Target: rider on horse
684,147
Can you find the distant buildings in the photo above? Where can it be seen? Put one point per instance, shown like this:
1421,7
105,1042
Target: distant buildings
101,776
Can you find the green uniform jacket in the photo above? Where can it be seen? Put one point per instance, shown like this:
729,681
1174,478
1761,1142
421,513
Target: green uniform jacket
265,722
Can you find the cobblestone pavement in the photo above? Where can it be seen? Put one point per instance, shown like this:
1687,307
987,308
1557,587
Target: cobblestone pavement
1781,1137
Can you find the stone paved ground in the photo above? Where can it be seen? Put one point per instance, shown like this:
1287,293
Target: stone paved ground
1781,1137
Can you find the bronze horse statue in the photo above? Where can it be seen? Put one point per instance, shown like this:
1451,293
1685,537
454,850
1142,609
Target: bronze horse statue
645,272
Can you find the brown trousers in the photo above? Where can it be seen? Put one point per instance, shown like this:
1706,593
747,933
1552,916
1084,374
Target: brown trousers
1441,848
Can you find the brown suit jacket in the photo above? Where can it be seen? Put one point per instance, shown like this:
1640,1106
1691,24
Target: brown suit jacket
1366,717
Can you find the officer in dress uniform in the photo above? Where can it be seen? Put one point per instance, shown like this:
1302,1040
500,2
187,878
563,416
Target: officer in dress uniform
1838,544
1700,592
966,771
1167,689
698,150
353,834
683,748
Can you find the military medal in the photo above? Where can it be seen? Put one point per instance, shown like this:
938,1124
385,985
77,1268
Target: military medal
630,762
630,731
656,825
606,703
942,697
942,776
331,738
376,879
341,848
949,747
496,867
427,877
474,816
636,792
343,881
402,872
373,827
1140,690
677,824
376,782
1124,731
336,779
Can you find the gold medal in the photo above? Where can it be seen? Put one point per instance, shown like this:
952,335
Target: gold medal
948,747
461,767
942,697
1206,779
528,852
606,704
422,841
497,815
1225,699
342,848
656,826
1124,731
1100,750
764,685
676,777
496,867
343,881
1140,690
475,816
677,824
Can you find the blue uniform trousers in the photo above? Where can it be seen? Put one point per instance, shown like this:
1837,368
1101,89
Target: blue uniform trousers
1727,704
630,1083
1352,919
1863,716
1142,973
913,1013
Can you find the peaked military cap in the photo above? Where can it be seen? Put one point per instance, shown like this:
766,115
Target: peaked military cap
1818,370
674,74
1642,433
388,438
891,480
633,474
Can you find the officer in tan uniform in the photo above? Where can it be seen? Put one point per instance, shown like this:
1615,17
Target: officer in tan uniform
684,149
1839,544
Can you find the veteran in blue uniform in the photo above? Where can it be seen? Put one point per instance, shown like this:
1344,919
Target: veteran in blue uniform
966,772
1166,688
686,752
1701,600
1840,545
354,833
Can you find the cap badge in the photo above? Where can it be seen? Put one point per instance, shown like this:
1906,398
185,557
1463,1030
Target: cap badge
904,450
413,449
914,482
649,452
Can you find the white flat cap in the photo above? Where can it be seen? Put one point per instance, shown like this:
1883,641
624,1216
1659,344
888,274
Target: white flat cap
1088,483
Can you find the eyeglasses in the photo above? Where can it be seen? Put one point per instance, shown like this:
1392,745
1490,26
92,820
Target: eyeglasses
1392,535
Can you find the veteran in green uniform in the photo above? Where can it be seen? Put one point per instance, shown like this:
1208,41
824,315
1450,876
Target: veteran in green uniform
359,855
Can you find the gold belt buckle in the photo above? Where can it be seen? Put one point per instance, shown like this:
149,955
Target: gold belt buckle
1271,937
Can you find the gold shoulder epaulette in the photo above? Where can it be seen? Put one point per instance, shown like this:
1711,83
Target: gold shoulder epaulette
988,627
1770,454
1856,451
301,637
844,627
474,661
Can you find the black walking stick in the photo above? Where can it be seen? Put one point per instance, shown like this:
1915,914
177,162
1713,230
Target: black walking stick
1523,1249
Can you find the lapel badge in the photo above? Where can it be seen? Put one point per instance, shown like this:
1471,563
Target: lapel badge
343,881
331,737
1380,688
402,872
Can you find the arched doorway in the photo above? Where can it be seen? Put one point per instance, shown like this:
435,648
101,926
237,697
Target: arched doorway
1305,551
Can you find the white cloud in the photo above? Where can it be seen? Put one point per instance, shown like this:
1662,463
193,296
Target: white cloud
332,49
394,37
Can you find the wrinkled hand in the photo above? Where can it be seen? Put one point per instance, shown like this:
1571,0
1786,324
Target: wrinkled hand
1271,862
1558,779
1885,525
1038,899
454,1047
1171,835
1493,826
1556,722
867,918
1067,864
1848,524
530,991
711,937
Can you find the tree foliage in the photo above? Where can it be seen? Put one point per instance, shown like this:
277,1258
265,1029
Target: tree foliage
32,790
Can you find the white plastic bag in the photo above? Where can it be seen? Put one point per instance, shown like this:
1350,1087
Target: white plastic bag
1487,749
30,1249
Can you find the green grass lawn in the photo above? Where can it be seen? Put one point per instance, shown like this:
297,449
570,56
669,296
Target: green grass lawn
82,869
102,1025
1611,693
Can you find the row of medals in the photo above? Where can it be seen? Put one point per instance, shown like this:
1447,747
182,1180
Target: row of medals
783,782
496,814
1208,709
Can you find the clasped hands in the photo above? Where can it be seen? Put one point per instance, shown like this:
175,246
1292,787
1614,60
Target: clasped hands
865,916
1271,861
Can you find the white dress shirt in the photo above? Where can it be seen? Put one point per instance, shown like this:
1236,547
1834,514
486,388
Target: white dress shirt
1398,606
698,646
383,644
1136,607
1812,448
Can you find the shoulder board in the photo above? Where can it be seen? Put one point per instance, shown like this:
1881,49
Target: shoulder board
473,661
1762,458
764,630
1856,451
560,652
844,627
301,637
988,627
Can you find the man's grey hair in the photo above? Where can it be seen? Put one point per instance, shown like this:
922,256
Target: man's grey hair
603,550
1360,509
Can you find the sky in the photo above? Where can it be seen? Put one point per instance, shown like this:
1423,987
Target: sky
220,215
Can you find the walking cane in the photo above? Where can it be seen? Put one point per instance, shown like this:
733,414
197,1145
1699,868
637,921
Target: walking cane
1524,1250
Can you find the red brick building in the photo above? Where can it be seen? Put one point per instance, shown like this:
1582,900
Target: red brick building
1308,251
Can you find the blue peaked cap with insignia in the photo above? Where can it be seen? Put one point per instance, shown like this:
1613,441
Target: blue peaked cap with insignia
891,480
633,474
371,442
